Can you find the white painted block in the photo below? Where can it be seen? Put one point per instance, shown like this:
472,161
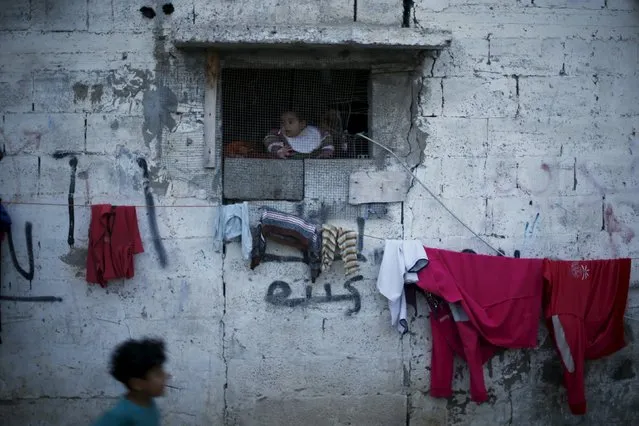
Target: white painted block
43,134
455,137
479,98
17,92
558,96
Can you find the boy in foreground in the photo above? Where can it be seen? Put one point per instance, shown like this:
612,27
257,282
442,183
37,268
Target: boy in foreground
138,364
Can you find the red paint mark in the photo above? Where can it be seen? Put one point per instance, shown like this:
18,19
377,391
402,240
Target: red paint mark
34,137
545,167
613,225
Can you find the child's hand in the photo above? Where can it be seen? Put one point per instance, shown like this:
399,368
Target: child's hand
284,152
326,153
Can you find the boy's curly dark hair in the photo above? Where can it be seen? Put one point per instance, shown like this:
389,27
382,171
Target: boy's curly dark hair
133,359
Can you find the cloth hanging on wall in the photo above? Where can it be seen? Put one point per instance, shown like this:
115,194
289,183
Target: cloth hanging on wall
343,241
400,264
497,302
233,222
584,304
114,238
291,231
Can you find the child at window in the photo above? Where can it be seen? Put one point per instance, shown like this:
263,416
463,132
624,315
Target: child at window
138,364
296,139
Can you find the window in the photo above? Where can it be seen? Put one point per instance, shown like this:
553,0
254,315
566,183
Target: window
333,101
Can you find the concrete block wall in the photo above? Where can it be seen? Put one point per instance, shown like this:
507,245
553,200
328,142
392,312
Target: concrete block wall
529,122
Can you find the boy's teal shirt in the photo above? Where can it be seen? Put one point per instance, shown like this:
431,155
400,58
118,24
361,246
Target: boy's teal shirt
126,413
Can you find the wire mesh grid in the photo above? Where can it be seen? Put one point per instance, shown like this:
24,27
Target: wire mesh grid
334,101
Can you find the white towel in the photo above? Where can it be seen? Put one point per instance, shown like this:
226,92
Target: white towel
401,262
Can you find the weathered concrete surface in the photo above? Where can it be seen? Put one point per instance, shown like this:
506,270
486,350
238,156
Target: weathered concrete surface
526,126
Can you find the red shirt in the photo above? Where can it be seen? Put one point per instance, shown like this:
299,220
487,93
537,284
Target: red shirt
113,240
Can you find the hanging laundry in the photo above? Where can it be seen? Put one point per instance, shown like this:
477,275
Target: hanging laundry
400,264
233,222
494,301
584,304
292,231
448,340
344,241
113,240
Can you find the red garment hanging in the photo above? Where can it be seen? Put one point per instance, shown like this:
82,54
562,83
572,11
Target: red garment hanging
113,240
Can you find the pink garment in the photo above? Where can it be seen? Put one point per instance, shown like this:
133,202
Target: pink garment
501,297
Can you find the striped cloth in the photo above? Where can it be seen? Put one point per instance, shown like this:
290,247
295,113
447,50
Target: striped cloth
336,239
292,231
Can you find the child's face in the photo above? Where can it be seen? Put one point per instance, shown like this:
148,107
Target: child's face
154,383
292,125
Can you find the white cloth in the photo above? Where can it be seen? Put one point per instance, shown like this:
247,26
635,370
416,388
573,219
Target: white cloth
400,264
233,222
307,141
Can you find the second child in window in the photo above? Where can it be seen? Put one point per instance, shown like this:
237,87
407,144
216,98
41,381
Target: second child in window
296,139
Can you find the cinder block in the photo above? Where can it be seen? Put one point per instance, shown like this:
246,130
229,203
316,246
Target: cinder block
27,177
622,5
106,133
127,16
599,136
384,12
430,173
374,410
427,219
309,376
276,12
59,15
607,175
618,96
17,92
479,98
100,16
427,411
456,137
472,22
463,177
77,42
545,217
430,97
501,176
461,58
611,57
44,133
308,333
16,16
541,177
524,56
558,96
571,4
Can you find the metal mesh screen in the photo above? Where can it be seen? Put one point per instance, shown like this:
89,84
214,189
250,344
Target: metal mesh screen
333,100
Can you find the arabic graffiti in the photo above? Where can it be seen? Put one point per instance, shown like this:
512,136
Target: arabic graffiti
28,275
279,291
150,206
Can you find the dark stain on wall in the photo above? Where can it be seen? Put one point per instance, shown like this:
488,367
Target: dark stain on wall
624,371
80,92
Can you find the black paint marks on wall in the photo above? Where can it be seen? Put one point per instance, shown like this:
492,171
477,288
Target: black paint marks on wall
150,207
408,6
27,275
73,163
279,294
147,12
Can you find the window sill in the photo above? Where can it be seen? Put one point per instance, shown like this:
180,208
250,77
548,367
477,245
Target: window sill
353,36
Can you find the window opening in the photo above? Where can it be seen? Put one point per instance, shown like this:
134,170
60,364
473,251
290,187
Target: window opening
328,107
